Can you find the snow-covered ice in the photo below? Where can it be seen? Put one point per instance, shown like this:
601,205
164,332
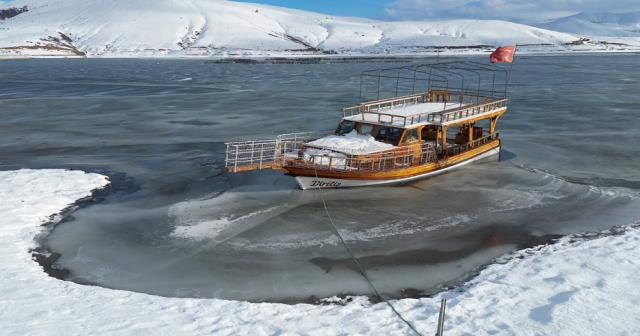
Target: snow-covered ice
570,288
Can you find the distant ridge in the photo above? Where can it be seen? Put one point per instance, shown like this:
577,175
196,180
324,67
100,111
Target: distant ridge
597,24
221,29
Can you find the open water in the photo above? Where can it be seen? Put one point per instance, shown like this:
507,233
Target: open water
571,152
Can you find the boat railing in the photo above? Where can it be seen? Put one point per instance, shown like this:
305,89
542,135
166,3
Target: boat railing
250,155
386,160
425,97
263,154
385,103
288,150
305,136
292,143
472,110
469,145
470,105
395,102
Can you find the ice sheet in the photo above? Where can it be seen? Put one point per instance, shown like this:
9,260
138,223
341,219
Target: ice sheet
551,289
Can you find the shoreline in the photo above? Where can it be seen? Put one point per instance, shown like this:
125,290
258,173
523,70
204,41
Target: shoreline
44,256
334,57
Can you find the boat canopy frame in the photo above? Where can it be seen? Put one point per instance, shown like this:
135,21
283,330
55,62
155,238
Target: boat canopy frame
455,77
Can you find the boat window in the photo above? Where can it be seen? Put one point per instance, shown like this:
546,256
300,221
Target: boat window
389,134
411,136
394,135
365,129
345,127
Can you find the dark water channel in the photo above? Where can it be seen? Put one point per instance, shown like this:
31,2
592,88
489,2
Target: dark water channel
570,164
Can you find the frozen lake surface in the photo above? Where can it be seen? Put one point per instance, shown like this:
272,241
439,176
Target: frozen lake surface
569,164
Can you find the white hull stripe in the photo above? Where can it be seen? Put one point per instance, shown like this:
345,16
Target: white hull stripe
312,182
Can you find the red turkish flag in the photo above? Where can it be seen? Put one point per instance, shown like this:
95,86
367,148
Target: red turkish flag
503,54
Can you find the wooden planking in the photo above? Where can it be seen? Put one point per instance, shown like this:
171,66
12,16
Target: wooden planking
474,118
255,166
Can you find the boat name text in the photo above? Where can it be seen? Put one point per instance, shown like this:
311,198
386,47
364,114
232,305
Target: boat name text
316,183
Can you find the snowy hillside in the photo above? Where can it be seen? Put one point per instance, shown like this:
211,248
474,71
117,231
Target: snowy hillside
122,28
598,24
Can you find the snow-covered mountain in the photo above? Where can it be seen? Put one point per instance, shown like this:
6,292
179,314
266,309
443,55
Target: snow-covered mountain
597,24
122,28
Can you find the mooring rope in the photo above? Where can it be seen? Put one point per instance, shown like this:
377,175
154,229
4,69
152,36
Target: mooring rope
366,276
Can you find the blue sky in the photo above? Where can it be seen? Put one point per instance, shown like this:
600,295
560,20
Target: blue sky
525,11
361,8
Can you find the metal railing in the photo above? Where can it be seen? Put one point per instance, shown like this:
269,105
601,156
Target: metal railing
250,155
261,154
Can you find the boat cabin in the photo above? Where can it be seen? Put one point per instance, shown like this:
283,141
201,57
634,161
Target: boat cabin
426,117
396,136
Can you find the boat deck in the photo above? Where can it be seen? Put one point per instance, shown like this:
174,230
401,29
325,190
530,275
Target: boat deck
398,114
431,108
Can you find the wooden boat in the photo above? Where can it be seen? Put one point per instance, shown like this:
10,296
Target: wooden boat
397,139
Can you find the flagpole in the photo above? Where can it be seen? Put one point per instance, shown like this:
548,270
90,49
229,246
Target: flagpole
513,59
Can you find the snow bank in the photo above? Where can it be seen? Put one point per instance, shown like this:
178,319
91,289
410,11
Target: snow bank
572,288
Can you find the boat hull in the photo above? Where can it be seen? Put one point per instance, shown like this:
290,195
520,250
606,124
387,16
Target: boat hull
307,178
